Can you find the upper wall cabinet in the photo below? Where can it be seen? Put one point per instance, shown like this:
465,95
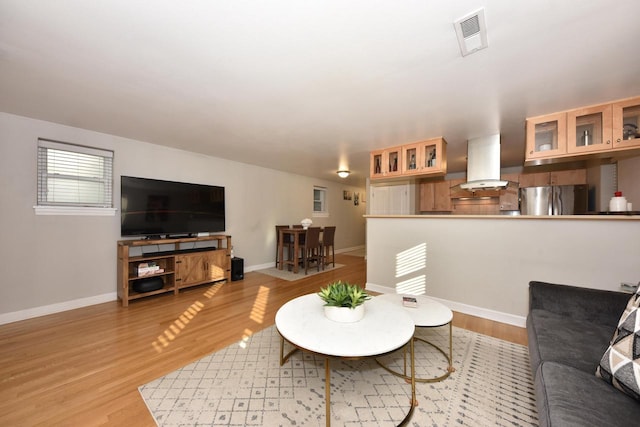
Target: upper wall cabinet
386,163
626,123
601,129
427,158
589,129
546,136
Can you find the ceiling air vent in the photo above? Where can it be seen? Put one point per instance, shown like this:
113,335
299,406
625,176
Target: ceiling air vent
472,32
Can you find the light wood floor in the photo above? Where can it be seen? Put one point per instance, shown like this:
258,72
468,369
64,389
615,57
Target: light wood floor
83,367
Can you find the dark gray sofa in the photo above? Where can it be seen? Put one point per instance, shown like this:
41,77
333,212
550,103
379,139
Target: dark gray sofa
569,329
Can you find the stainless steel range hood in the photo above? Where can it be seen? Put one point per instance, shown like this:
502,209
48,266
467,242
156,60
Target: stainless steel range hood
483,164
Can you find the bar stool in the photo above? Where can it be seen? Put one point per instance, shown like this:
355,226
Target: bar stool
287,243
327,242
311,249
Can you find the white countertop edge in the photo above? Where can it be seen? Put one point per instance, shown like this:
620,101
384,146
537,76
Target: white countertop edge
517,217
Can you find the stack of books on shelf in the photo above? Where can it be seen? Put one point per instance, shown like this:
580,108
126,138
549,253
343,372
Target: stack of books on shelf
149,268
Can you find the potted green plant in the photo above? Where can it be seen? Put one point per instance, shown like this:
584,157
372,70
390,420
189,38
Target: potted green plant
343,302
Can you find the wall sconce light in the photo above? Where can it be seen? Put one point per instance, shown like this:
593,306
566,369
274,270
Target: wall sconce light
343,173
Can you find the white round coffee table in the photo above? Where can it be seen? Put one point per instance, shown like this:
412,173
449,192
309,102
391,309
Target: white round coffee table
427,314
385,328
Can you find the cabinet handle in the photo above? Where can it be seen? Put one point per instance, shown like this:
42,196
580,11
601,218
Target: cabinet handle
618,140
531,152
608,141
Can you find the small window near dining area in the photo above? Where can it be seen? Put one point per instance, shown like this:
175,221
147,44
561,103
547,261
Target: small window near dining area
320,201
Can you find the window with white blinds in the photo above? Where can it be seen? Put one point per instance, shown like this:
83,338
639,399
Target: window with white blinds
74,175
320,201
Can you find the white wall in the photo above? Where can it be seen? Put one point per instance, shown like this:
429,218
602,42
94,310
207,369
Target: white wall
57,262
482,266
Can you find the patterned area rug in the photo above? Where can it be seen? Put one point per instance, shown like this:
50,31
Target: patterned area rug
244,385
291,276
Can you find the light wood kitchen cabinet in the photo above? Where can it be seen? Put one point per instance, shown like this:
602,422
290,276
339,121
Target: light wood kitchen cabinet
539,179
386,163
605,130
589,129
435,196
568,177
546,136
626,123
424,158
564,177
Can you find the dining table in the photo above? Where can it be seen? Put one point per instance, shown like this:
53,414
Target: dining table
294,233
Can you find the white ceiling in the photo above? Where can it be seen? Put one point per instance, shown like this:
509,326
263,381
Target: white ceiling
312,86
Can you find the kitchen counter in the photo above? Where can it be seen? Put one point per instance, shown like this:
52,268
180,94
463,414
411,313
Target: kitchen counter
621,216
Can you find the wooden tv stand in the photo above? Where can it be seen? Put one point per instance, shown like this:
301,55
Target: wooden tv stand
180,267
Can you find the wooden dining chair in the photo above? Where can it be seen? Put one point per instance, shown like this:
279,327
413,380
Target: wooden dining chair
286,244
311,249
300,242
327,243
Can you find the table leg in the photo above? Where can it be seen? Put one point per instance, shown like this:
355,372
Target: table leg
451,368
280,249
281,350
327,392
284,358
414,401
296,247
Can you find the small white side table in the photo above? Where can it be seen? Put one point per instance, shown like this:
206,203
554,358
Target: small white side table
428,314
385,328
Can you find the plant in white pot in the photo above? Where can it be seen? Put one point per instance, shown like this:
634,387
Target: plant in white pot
343,302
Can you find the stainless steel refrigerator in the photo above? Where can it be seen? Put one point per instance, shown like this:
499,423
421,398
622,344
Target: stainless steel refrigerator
554,200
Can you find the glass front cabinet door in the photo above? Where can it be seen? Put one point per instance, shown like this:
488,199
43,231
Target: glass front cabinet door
425,157
546,136
626,123
385,163
589,129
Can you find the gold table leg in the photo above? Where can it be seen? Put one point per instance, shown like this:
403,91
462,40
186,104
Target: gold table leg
327,392
449,358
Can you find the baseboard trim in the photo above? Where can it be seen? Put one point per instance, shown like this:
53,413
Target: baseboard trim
485,313
30,313
259,267
351,249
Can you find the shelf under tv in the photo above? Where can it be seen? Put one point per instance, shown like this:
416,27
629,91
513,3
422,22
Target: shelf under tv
183,268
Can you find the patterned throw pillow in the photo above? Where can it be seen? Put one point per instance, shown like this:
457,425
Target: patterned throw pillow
620,365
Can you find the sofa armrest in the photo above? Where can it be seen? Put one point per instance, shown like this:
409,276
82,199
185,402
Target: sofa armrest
593,305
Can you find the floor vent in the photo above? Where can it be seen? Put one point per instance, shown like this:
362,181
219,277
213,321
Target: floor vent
472,32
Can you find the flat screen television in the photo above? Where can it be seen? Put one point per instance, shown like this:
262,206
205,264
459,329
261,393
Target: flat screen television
151,207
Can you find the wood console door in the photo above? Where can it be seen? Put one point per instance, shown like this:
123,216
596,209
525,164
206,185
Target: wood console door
201,267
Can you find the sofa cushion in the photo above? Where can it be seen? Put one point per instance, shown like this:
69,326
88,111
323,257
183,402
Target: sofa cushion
569,397
560,338
620,364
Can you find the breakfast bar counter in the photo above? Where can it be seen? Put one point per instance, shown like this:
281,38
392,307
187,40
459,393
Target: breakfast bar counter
612,216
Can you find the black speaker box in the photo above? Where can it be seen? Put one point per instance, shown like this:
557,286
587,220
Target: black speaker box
147,285
237,269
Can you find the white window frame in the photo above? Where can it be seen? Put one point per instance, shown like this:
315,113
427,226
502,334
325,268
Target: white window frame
45,206
324,202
